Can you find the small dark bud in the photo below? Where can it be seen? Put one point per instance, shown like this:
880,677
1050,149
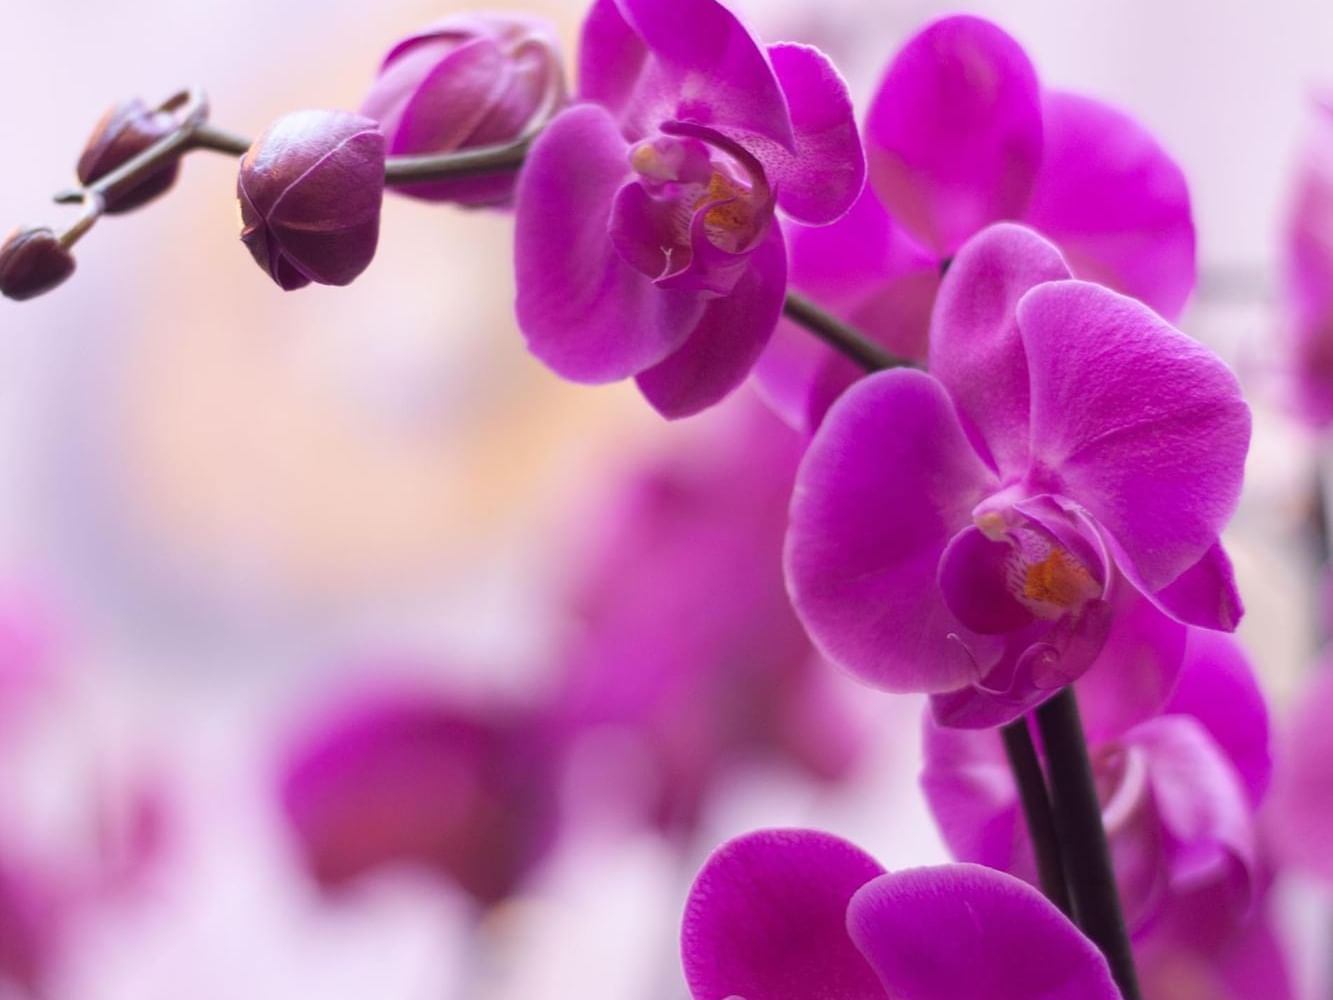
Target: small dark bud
32,262
310,190
123,133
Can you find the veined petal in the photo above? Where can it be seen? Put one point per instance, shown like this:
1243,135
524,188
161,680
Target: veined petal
705,67
612,57
975,346
1135,421
954,134
1115,202
887,481
822,177
726,343
963,932
585,312
767,920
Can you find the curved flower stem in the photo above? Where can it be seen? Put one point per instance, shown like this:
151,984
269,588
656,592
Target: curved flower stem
1037,811
1078,821
839,335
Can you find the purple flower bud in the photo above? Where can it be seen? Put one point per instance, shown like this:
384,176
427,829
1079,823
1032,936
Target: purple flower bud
124,132
470,80
310,191
32,262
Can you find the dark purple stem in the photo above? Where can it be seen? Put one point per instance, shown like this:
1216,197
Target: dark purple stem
1036,802
1078,823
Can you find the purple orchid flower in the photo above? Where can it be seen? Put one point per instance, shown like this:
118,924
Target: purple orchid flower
646,240
687,646
960,135
403,777
1308,272
798,914
468,80
1053,488
1179,791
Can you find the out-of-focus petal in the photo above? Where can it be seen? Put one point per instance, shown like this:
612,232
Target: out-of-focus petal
723,347
970,790
1202,806
767,920
866,270
1217,686
1301,810
584,311
888,480
1137,669
964,932
822,177
1115,202
954,134
1137,422
975,346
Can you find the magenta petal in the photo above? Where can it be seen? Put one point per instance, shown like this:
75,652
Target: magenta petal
1136,670
963,932
1217,686
1205,594
1115,202
887,481
710,70
823,177
767,920
974,576
971,794
1201,803
611,57
1302,800
866,270
954,134
730,336
1137,422
975,347
584,311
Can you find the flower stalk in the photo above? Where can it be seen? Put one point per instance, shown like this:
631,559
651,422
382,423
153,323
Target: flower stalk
1082,837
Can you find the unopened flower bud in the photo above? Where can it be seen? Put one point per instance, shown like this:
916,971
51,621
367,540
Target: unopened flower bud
310,191
124,132
468,81
32,262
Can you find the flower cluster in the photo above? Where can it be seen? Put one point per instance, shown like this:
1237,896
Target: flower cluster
1019,508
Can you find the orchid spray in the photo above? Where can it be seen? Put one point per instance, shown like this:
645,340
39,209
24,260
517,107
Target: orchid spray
1015,470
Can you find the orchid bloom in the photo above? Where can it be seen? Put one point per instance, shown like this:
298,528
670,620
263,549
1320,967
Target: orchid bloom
961,134
687,645
401,777
799,914
983,532
1179,791
646,239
